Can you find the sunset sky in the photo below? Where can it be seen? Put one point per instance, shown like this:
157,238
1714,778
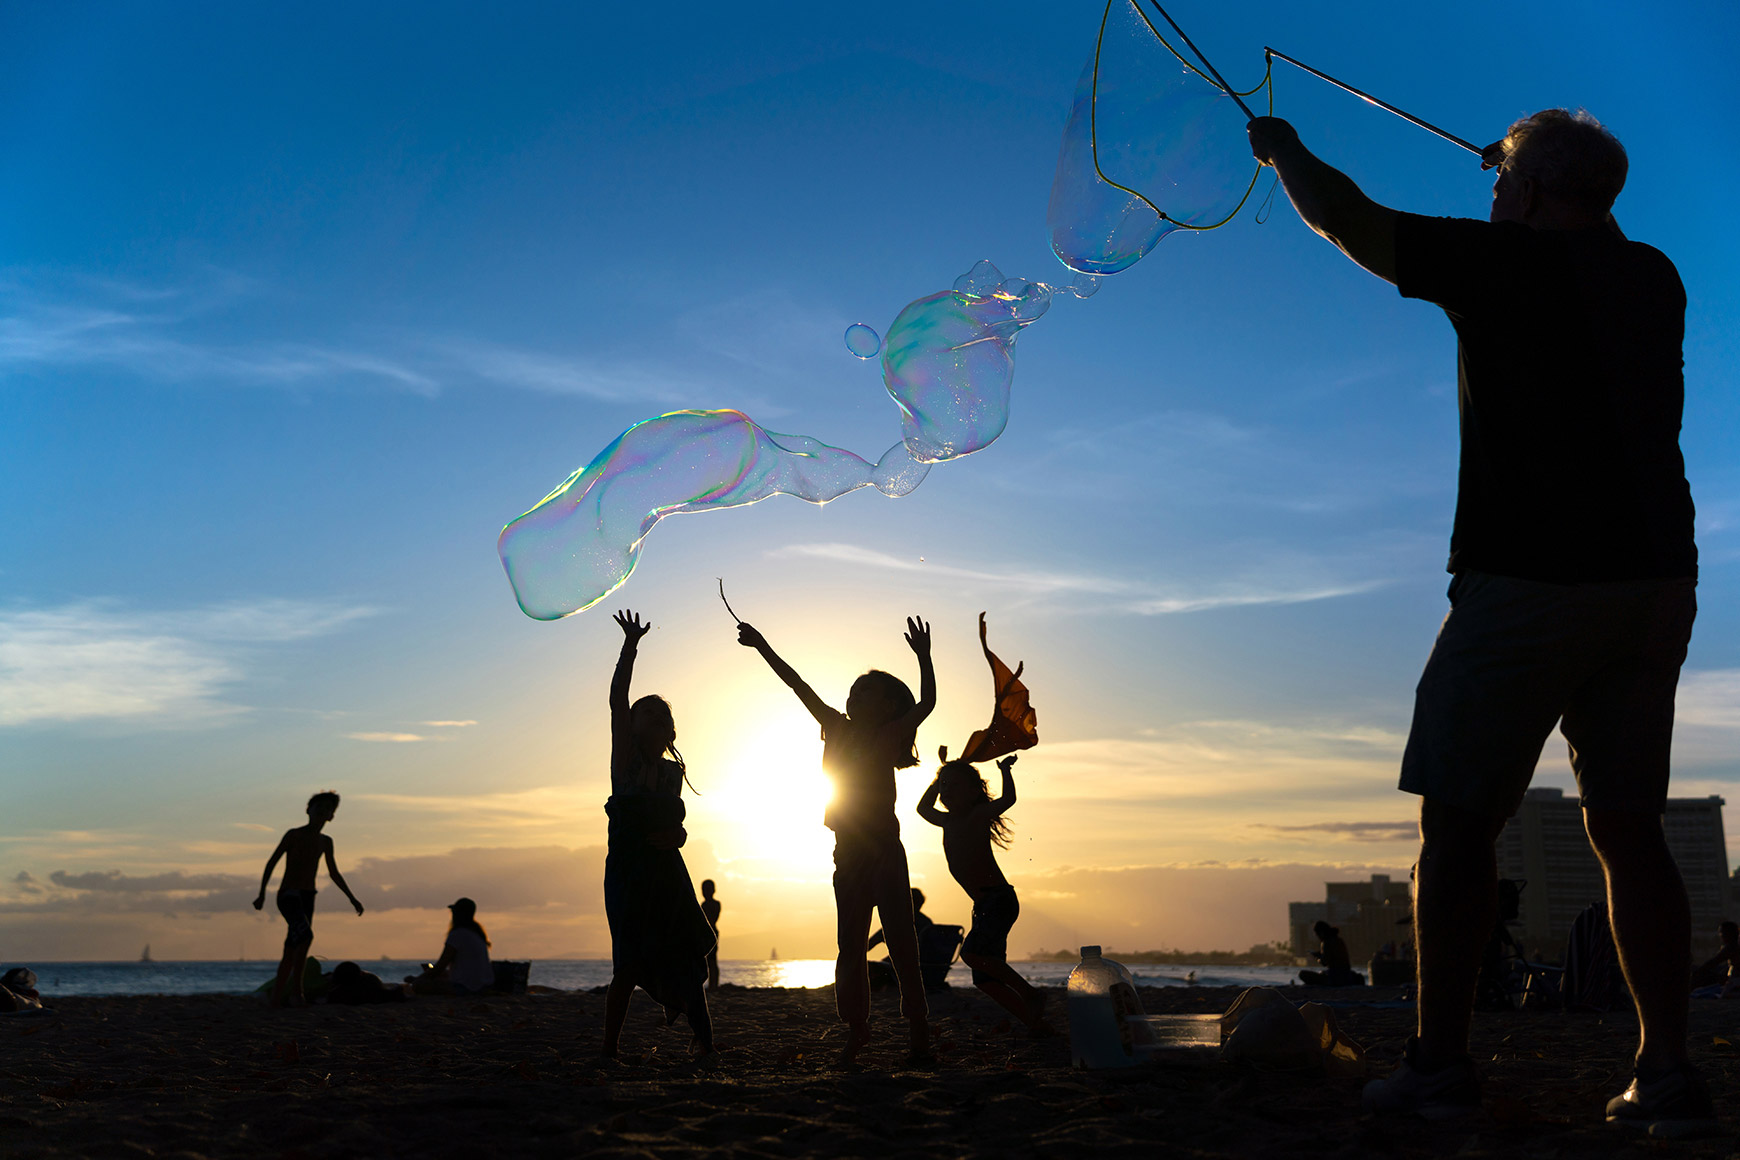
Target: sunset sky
300,304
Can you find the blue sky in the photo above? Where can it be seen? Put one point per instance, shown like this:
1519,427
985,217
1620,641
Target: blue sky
298,307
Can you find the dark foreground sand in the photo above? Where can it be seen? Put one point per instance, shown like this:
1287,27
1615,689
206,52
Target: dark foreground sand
222,1077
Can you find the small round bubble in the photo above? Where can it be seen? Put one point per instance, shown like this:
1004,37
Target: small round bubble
863,341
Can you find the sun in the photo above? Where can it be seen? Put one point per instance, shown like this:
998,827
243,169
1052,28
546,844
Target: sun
770,800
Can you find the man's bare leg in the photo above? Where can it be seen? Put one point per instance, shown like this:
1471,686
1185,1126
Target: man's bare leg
1455,906
1652,927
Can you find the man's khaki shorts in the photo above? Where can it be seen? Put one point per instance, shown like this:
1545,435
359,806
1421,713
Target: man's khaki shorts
1516,657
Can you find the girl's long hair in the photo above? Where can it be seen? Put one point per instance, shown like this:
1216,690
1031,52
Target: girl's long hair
470,923
649,701
960,773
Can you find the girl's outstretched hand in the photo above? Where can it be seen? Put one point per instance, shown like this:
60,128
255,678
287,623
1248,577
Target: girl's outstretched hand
748,636
1005,763
918,635
631,625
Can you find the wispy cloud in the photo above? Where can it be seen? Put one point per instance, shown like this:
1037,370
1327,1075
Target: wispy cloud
537,878
153,332
727,353
1119,595
398,738
606,380
450,724
1357,831
101,661
1709,698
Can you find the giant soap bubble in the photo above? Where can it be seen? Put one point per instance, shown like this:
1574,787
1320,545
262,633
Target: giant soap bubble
948,362
1152,146
582,540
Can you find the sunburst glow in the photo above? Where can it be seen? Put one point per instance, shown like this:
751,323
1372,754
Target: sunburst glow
773,793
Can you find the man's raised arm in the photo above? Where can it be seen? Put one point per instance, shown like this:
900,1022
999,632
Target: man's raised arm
1327,199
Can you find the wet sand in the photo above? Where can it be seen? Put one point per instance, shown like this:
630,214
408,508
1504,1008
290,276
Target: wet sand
218,1076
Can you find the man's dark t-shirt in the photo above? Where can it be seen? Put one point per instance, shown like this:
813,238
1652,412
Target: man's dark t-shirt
1570,391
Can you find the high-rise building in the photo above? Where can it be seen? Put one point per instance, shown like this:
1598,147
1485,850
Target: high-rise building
1546,846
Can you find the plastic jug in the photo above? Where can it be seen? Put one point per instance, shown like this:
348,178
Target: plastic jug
1104,1012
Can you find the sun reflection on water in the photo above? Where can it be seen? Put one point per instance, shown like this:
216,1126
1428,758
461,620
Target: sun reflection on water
785,973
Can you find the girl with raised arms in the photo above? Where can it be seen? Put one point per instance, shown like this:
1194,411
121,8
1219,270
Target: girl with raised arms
659,939
861,749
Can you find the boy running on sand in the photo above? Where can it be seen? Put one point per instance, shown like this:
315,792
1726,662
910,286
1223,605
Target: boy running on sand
303,848
862,748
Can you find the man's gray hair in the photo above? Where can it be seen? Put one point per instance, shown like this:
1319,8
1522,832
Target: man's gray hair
1571,156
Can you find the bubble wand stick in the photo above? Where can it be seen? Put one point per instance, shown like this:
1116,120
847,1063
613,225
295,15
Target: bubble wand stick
1220,80
728,607
1369,99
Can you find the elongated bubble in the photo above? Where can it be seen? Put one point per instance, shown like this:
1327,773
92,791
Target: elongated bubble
948,362
582,540
1164,131
949,359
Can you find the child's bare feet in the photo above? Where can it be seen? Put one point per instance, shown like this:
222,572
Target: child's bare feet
857,1038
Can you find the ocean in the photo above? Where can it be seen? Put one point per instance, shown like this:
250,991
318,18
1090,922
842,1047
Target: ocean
239,978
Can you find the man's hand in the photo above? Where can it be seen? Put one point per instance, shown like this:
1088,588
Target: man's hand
1494,154
748,637
358,905
918,636
260,902
1270,135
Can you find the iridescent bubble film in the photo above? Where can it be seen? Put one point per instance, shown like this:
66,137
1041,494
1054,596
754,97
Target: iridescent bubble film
582,540
863,341
950,358
1164,131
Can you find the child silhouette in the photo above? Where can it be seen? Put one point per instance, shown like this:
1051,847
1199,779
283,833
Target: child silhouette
659,939
303,848
972,824
861,749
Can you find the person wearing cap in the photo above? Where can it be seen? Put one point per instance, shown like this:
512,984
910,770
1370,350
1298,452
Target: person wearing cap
464,963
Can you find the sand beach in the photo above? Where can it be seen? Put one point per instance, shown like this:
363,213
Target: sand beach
222,1076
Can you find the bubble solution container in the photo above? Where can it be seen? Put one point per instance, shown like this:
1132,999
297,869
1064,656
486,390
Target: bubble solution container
1108,1028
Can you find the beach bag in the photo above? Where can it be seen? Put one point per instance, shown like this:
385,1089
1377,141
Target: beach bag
510,977
1263,1028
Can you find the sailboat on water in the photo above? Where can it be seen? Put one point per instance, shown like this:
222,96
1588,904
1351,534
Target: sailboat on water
145,955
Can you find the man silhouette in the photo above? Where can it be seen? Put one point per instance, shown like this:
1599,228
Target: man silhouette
1575,574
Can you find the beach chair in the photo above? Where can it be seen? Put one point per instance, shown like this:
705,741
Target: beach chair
938,948
510,977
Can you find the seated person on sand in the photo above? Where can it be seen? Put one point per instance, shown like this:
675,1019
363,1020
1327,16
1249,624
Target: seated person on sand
354,987
921,922
1720,969
1337,966
464,967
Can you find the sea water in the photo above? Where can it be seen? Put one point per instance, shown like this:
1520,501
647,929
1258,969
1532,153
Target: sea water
239,978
